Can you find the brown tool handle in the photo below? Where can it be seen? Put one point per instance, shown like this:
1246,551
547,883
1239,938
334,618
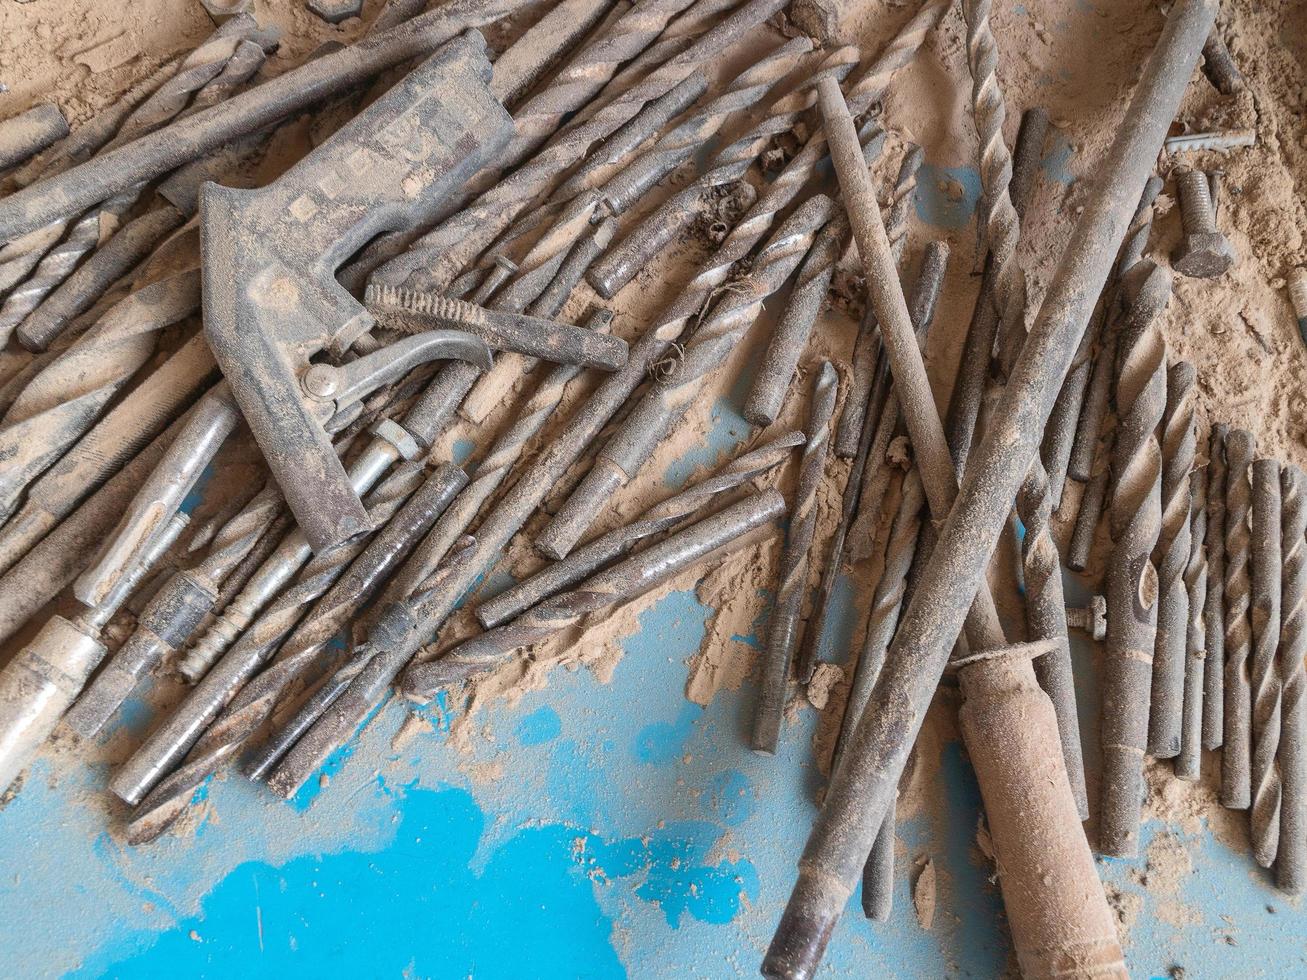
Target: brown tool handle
1060,920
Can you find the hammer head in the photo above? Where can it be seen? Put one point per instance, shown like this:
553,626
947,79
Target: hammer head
269,258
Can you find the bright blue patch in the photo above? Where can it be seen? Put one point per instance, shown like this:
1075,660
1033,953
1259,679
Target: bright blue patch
663,742
462,450
730,797
196,496
540,726
727,430
947,196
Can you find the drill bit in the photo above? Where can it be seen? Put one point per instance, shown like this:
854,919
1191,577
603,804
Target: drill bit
1189,762
664,404
1171,557
1214,612
1236,750
28,133
1136,518
1265,567
1291,855
662,517
255,701
796,561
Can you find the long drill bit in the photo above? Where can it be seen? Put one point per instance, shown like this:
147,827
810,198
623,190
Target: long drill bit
1236,750
1214,612
1265,576
1188,763
665,403
1291,855
346,589
1171,557
1136,519
28,133
796,561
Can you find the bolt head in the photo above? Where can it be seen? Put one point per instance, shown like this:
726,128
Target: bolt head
1203,255
321,381
335,11
221,10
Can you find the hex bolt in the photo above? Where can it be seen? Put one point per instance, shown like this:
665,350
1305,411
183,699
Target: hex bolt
1204,252
796,562
1189,761
1265,676
1236,750
1214,608
1091,619
1291,856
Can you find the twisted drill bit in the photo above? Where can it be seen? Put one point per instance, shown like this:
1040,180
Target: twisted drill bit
1136,517
333,608
1236,751
662,517
1214,613
796,561
1171,556
1291,855
666,402
1265,675
1188,762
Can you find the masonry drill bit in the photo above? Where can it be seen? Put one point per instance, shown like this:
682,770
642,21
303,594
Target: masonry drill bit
254,702
165,747
174,613
665,403
1236,750
1132,589
1291,855
1171,557
662,517
28,133
1188,763
866,349
796,561
624,581
440,254
39,683
1265,675
1214,612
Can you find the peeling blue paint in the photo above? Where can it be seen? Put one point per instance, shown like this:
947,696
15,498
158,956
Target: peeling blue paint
947,196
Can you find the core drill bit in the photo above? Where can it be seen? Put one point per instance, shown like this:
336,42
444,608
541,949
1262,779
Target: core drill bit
1291,855
796,561
1171,557
1188,763
255,701
1236,750
1136,518
1214,612
664,404
1265,567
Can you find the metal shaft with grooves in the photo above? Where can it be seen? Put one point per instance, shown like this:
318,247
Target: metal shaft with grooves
173,614
344,594
1291,855
1265,565
440,254
164,748
1236,749
662,517
1214,612
866,349
1188,763
1136,519
707,348
28,133
627,579
1171,557
796,561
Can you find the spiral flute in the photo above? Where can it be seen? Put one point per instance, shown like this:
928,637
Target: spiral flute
796,561
665,403
1265,565
1188,762
1291,854
1214,612
1236,751
1171,557
1136,519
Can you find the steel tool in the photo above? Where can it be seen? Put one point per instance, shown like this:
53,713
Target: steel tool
1264,675
1291,855
28,133
1236,749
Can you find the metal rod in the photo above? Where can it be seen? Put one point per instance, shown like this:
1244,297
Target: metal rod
1188,763
1214,610
1291,856
1236,751
1265,674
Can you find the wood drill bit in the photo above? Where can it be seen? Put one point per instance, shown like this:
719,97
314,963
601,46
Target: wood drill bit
1136,518
796,561
1291,854
1171,557
1214,611
1236,750
1265,564
1189,761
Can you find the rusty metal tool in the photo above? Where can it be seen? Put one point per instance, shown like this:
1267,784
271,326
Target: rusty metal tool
1219,67
1265,566
1171,557
1188,763
1214,612
796,561
336,603
858,796
42,679
28,133
267,311
1291,855
1236,749
1204,252
662,517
